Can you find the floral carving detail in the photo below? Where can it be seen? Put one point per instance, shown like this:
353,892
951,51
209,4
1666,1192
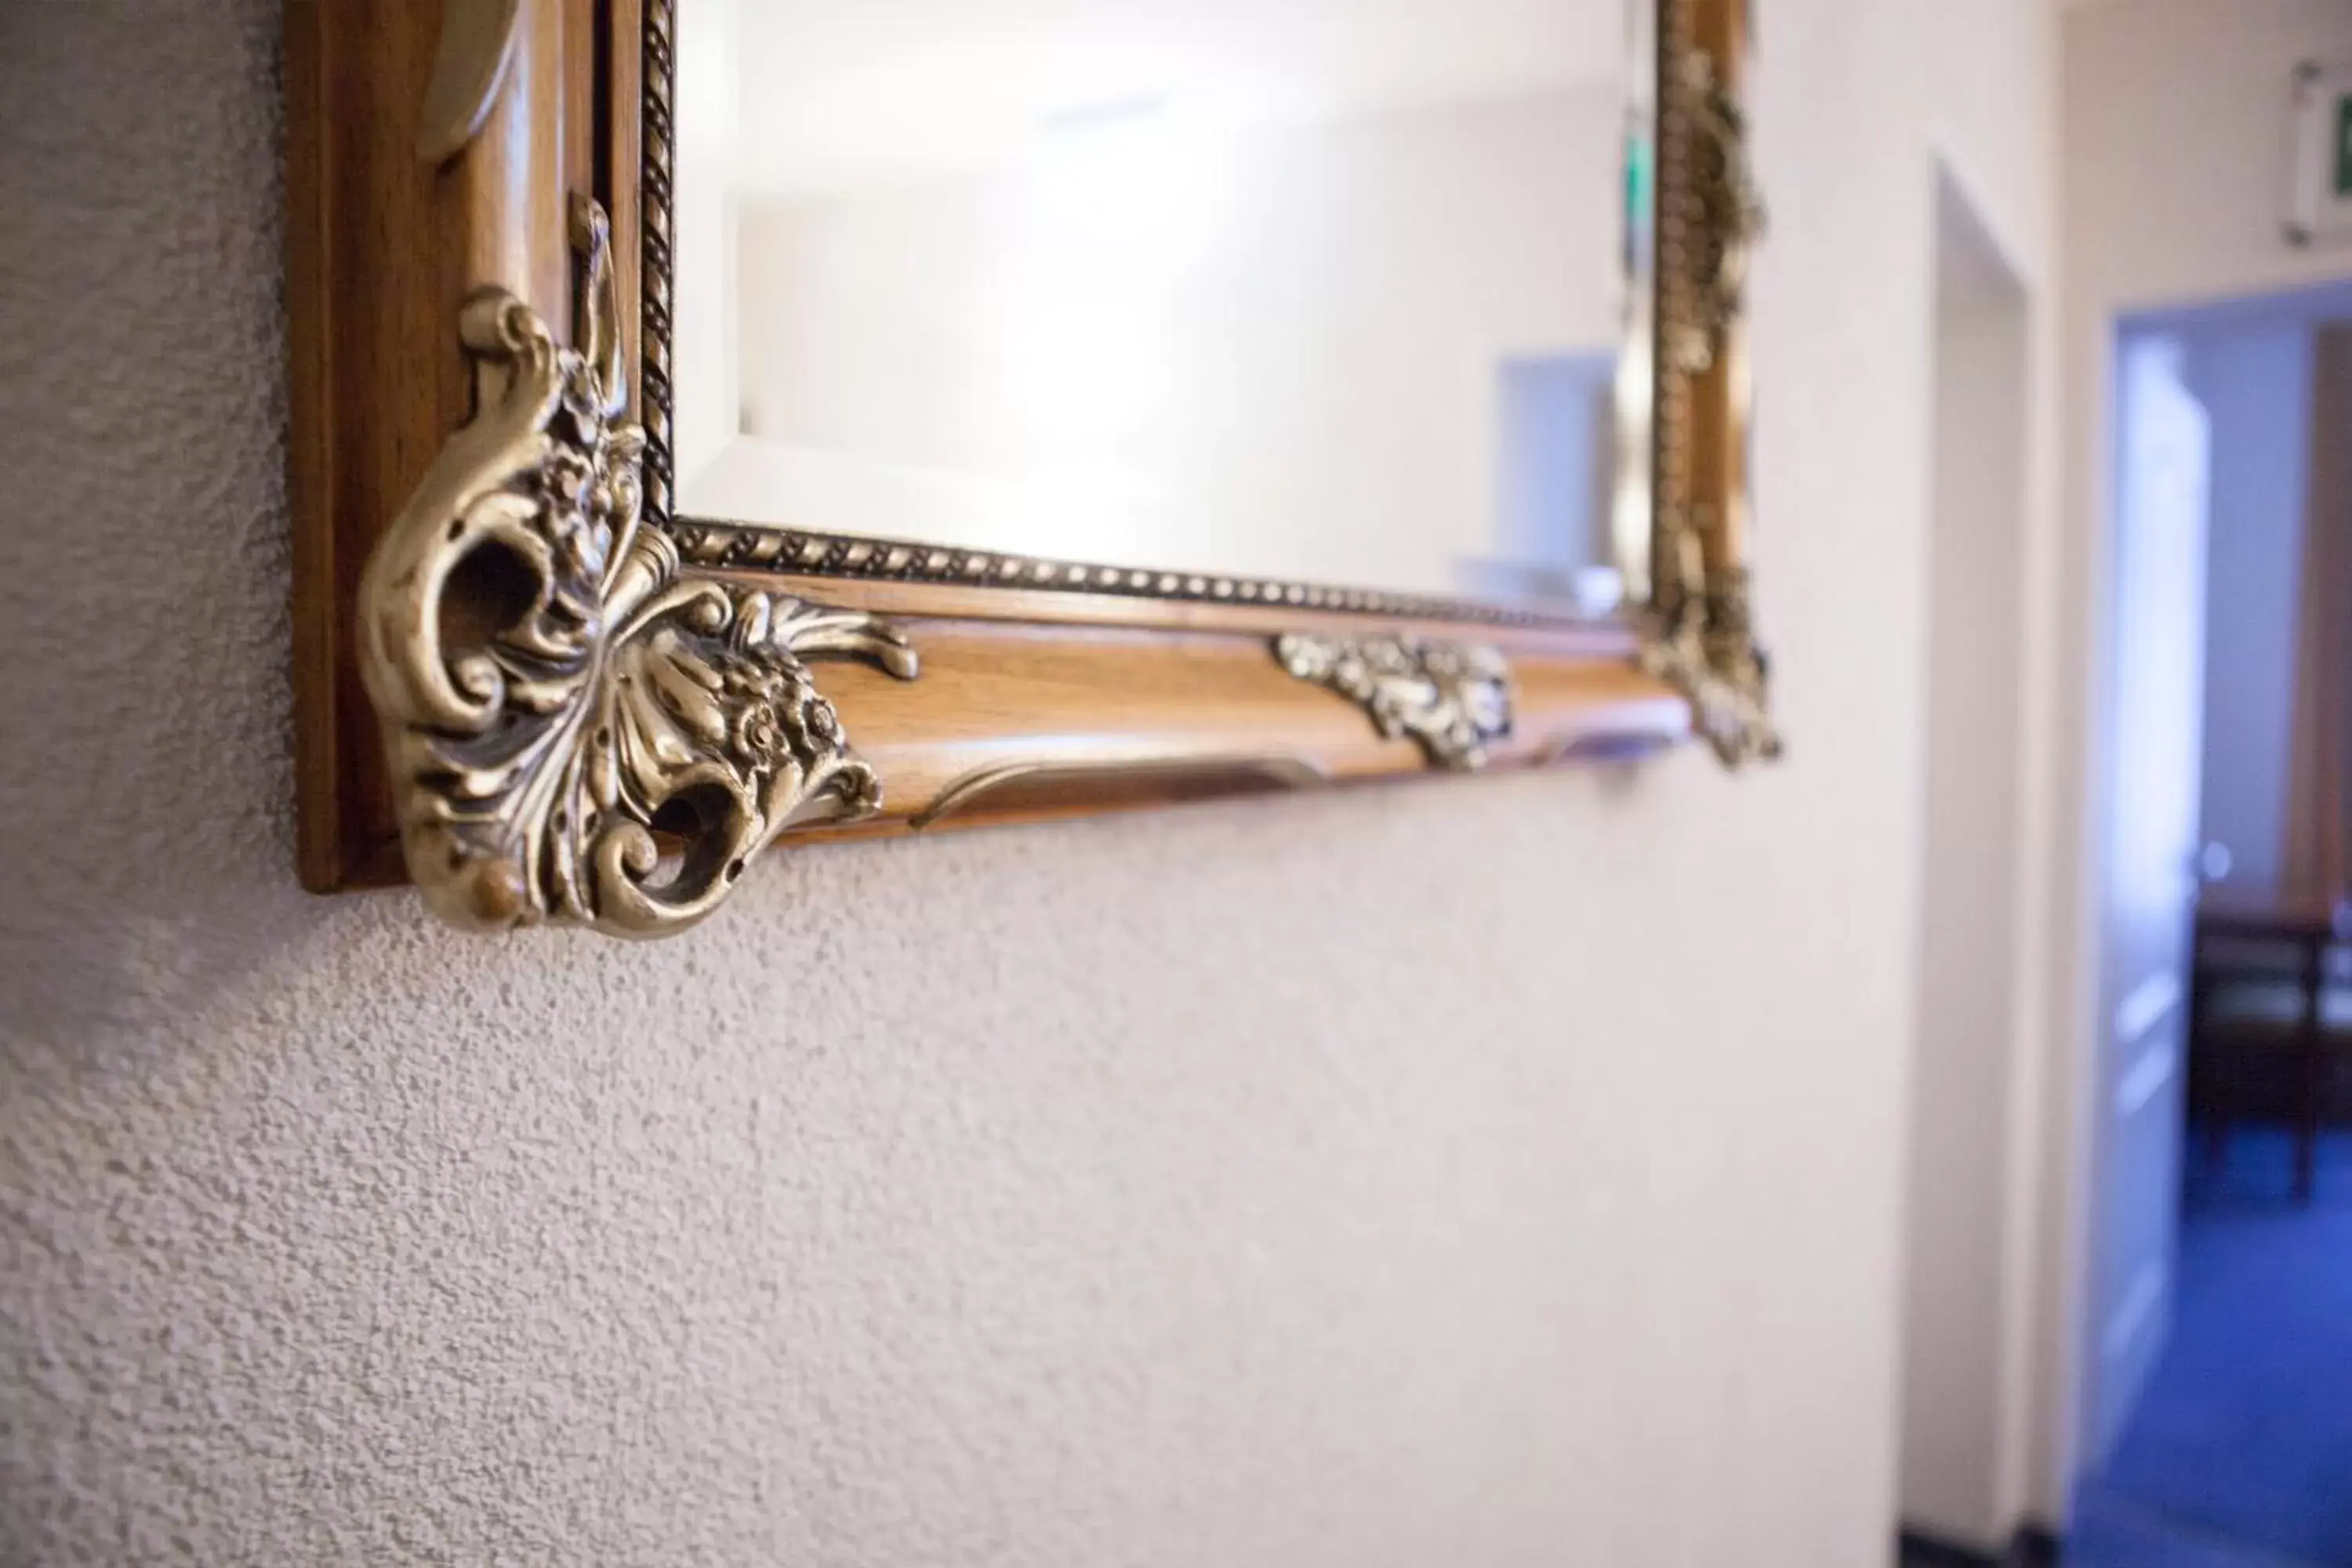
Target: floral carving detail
1708,652
576,733
1455,699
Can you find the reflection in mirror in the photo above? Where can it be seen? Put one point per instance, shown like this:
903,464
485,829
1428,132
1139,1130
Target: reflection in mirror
1334,291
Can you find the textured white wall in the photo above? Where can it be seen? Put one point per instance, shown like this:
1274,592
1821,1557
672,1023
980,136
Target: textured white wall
1987,64
1498,1172
1192,377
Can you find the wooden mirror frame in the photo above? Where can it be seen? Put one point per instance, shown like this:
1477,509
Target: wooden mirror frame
521,682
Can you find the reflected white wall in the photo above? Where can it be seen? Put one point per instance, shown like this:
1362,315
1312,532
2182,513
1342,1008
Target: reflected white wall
1276,351
705,416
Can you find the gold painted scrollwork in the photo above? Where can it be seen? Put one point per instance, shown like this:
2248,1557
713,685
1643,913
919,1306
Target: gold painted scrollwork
1728,205
576,733
1702,638
1709,653
1454,699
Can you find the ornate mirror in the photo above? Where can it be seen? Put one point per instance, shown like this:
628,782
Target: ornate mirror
842,416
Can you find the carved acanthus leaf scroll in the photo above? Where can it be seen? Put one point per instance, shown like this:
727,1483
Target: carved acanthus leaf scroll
1455,699
576,733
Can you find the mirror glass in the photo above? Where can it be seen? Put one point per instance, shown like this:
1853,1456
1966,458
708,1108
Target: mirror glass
1349,291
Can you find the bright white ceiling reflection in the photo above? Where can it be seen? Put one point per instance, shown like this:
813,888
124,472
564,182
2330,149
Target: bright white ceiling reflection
837,94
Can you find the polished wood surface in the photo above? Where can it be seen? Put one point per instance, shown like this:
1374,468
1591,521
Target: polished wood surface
1030,703
1133,712
1020,720
380,249
1719,397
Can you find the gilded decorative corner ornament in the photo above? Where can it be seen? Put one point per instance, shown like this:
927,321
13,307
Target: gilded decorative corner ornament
1454,699
577,732
1701,639
1711,657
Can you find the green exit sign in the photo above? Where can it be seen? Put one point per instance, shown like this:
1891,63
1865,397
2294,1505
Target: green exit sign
2319,208
2343,159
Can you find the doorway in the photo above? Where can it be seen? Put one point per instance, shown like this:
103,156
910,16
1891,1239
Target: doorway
2215,1397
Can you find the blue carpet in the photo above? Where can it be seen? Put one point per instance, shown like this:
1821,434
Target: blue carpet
2246,1433
2112,1532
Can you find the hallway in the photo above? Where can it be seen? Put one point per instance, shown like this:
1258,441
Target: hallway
2245,1436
